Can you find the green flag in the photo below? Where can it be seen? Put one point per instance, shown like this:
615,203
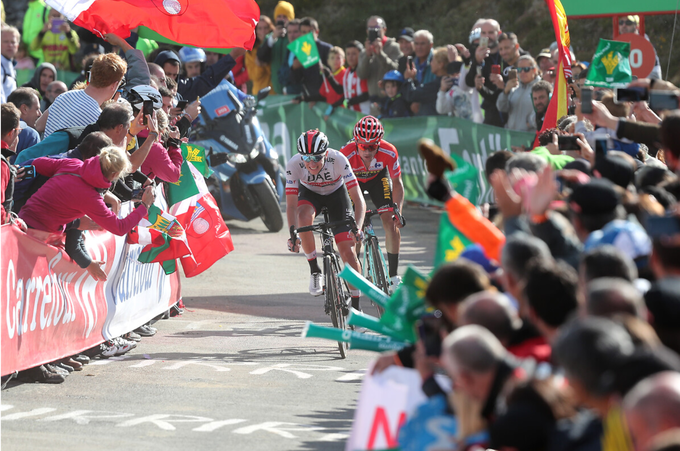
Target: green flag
184,188
196,155
406,305
450,242
464,179
305,50
610,67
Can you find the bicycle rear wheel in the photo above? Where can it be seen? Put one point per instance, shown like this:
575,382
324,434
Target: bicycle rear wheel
335,300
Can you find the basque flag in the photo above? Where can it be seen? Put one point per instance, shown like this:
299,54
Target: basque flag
201,23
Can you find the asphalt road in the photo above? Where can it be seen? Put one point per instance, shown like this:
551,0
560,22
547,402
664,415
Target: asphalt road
231,373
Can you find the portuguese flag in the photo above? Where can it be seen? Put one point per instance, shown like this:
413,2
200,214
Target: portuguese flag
200,23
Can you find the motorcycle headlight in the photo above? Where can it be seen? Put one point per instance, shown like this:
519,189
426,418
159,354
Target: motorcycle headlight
254,153
236,158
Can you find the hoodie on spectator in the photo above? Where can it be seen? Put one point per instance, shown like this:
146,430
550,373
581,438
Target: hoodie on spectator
72,192
34,82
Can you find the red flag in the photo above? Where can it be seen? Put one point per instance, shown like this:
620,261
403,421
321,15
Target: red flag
208,237
559,101
201,23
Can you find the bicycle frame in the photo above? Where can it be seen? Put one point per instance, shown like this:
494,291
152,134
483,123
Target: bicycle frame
337,293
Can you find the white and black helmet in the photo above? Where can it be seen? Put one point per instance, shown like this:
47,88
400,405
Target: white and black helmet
312,142
139,94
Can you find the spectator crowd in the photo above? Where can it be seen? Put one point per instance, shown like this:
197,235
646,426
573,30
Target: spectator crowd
571,341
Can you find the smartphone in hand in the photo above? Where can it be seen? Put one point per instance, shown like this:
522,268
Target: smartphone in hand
587,99
147,110
567,142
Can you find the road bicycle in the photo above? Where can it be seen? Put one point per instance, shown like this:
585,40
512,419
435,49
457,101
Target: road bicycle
374,267
336,291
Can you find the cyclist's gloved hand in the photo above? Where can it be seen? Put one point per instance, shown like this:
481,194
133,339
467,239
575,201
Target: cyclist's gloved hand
358,236
294,241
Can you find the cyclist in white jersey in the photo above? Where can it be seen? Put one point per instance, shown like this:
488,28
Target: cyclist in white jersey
320,177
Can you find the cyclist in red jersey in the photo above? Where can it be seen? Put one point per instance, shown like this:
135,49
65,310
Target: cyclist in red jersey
375,163
320,177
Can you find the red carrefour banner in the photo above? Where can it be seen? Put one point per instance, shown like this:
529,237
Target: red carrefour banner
51,308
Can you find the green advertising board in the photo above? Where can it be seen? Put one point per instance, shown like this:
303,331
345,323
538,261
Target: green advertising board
283,121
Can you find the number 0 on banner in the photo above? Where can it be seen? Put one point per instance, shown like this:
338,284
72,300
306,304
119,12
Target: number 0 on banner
642,55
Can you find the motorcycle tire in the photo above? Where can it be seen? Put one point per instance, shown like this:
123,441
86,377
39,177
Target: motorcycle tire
269,206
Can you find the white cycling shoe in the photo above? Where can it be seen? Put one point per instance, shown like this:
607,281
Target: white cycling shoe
394,283
315,288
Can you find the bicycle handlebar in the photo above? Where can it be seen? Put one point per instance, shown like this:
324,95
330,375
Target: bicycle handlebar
328,225
393,208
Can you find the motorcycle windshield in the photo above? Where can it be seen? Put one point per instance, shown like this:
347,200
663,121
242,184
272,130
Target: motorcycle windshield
217,103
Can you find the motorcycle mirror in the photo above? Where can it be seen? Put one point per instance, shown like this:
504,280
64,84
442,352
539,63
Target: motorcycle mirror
217,159
264,92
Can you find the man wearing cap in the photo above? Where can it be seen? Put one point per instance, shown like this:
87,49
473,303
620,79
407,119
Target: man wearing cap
380,56
631,24
274,50
405,40
544,60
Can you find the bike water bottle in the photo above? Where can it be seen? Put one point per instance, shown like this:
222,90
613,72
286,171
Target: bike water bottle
469,221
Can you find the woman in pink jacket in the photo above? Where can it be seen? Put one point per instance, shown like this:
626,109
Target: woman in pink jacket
165,157
75,189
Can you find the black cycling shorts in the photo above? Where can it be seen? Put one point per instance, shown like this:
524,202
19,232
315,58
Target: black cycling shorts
379,189
338,204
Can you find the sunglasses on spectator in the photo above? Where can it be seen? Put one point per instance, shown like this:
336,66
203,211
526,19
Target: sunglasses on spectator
369,147
626,22
313,158
525,69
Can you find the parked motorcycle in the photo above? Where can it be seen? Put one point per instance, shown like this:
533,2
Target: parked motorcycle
248,181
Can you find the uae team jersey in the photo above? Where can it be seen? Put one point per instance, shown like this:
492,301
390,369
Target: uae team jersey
335,172
386,157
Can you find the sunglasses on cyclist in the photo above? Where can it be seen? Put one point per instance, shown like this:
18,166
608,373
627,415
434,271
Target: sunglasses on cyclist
313,158
626,22
369,147
525,69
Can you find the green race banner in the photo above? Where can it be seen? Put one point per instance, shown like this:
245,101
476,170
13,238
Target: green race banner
283,121
305,50
610,67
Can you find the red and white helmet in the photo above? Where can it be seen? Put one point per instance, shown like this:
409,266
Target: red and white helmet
312,142
368,130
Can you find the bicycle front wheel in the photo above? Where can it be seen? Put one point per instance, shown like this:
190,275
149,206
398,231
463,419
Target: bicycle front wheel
335,300
379,275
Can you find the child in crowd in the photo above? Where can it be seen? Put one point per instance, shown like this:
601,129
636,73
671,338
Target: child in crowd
23,60
394,105
336,62
451,98
57,41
